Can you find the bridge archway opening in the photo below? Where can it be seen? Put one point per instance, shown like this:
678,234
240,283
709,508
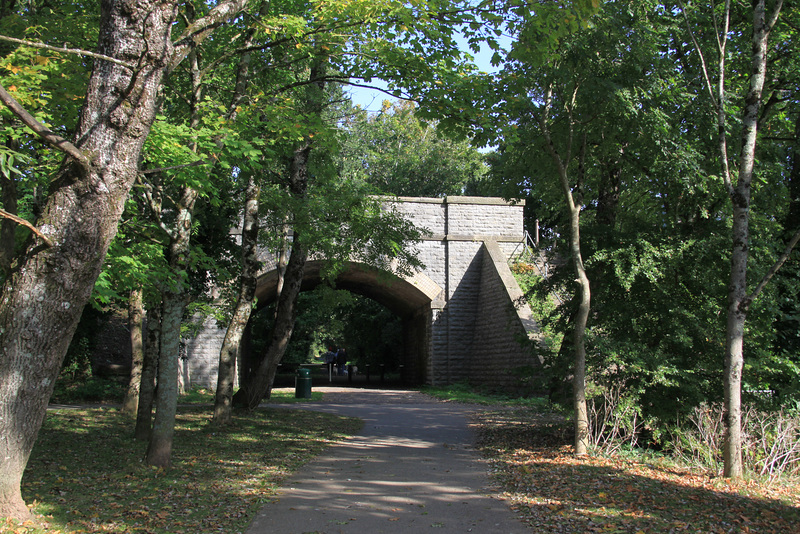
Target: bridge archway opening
411,300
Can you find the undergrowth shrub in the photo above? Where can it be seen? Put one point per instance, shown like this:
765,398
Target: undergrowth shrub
615,419
770,440
89,390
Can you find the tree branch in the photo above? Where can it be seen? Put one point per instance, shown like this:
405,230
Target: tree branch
41,130
66,50
197,32
197,163
745,304
26,224
704,67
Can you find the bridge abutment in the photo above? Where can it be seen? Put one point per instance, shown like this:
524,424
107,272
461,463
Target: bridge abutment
462,314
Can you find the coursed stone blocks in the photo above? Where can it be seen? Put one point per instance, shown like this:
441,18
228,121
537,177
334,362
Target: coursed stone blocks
472,330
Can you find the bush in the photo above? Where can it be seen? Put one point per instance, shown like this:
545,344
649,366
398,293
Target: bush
771,440
78,360
88,390
615,420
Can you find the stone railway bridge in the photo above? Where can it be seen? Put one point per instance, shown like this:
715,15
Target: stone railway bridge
461,314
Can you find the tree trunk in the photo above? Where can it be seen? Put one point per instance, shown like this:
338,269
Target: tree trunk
260,383
159,450
578,335
147,390
738,299
231,347
584,290
135,324
42,301
8,228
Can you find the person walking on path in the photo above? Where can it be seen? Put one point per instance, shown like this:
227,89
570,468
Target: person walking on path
341,361
413,467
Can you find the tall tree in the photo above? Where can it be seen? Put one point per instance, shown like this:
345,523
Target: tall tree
583,296
399,154
42,300
738,179
231,345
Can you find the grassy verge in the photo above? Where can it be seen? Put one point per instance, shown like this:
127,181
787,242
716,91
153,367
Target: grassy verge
471,395
553,491
279,396
86,472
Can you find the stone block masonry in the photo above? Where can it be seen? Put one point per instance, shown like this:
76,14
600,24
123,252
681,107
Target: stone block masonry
459,313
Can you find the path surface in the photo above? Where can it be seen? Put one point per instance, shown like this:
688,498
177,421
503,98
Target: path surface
413,468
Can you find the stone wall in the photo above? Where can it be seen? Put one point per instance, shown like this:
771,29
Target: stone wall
499,357
202,355
475,293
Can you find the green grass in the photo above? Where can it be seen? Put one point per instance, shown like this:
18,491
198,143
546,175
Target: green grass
87,390
466,393
279,396
86,472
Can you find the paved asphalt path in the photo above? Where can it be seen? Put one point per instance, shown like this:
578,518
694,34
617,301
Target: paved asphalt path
413,468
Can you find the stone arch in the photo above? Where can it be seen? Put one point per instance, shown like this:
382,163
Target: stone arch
413,299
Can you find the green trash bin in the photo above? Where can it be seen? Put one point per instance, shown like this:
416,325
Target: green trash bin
302,384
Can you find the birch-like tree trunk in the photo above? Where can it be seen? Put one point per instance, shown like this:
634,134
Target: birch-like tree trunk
739,192
583,296
231,346
738,299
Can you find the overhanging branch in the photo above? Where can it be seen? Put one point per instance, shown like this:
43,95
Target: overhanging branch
67,50
26,224
41,130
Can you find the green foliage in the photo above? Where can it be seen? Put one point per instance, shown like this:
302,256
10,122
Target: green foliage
77,364
327,317
631,119
87,390
399,154
78,360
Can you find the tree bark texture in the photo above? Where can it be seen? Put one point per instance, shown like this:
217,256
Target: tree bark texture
42,300
738,300
260,383
159,450
159,447
136,326
147,389
231,346
578,335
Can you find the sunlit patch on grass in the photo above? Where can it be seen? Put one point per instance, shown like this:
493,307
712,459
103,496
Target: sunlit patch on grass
554,491
86,472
